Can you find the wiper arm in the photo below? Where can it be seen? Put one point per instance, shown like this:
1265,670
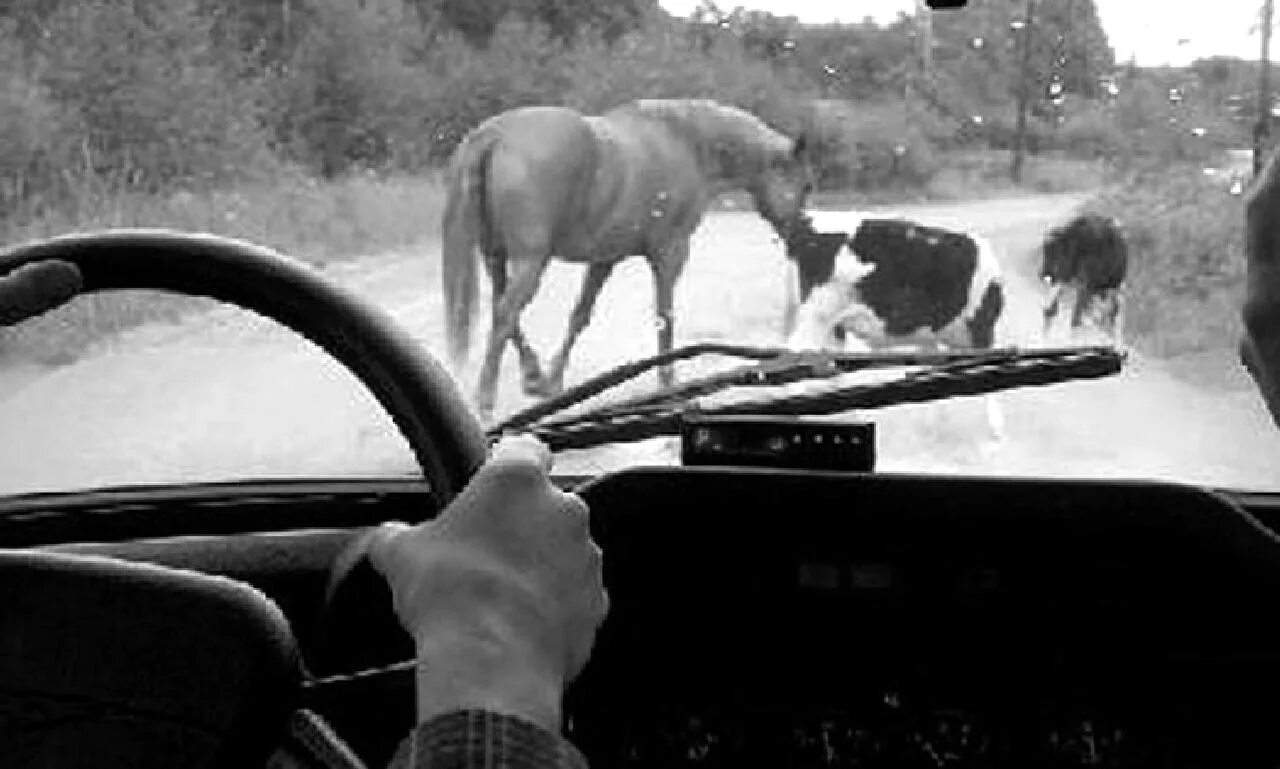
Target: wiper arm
939,376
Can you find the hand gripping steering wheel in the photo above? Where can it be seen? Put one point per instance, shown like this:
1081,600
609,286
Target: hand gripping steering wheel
426,405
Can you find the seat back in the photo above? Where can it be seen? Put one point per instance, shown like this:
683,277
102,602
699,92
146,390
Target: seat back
106,663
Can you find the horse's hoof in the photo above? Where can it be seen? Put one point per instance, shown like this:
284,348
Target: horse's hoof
540,388
484,412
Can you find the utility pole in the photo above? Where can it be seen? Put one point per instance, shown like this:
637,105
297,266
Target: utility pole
1262,127
924,29
1025,76
286,21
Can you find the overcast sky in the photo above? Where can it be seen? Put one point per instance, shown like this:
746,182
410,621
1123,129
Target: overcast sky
1151,30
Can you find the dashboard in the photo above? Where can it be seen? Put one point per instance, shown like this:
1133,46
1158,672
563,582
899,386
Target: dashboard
795,618
807,620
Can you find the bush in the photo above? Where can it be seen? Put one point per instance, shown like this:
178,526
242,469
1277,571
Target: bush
658,62
150,100
320,222
350,92
1187,268
874,147
1089,131
34,134
463,85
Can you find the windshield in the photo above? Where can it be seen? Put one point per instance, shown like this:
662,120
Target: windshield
326,129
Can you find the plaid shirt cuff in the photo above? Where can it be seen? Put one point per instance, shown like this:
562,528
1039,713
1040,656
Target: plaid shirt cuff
479,738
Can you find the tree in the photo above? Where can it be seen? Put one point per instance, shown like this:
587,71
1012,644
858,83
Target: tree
989,55
154,101
477,19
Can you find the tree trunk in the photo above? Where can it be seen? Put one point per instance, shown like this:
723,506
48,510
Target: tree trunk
924,27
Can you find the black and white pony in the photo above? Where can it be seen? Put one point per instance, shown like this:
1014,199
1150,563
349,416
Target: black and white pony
1089,257
863,282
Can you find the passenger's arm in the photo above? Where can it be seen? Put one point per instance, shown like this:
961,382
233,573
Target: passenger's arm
1260,348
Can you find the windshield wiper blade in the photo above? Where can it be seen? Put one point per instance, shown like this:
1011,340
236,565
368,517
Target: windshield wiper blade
779,365
941,376
791,368
575,395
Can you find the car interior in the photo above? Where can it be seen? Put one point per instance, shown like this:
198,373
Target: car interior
760,614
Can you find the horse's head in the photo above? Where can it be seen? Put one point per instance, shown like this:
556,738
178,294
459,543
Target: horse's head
781,188
738,150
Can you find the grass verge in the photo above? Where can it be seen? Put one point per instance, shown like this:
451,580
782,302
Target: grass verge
319,222
1187,265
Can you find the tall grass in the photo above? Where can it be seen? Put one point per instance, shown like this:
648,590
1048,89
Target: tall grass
318,222
1187,266
986,173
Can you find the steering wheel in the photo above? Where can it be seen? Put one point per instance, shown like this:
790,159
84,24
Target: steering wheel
415,389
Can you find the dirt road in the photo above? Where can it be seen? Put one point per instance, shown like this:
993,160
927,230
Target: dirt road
228,395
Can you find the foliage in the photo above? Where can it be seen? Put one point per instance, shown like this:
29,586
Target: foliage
979,56
129,96
875,146
320,222
147,96
348,81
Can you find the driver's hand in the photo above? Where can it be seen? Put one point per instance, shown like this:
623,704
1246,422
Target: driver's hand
503,592
36,288
1260,348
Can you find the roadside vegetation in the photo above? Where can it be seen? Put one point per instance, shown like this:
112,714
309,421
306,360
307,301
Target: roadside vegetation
1187,266
318,127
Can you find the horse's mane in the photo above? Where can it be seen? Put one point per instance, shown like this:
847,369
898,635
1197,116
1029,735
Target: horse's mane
707,120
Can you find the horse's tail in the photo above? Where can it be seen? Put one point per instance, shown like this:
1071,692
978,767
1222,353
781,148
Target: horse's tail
464,227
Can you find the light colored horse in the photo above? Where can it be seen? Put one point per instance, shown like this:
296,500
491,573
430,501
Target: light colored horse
540,182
